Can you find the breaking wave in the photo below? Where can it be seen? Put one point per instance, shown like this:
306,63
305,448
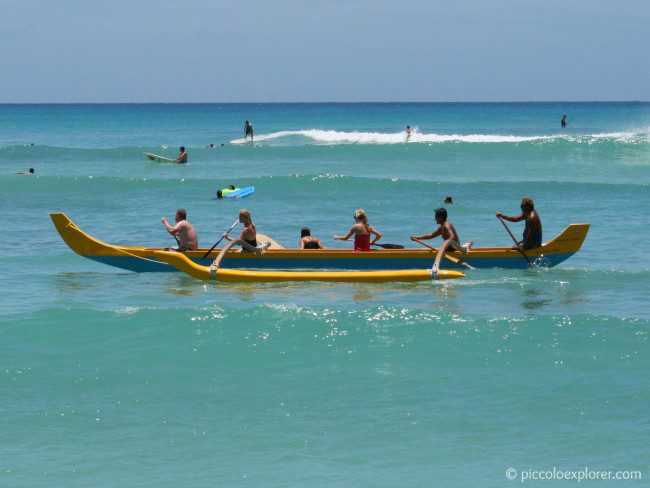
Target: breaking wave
339,137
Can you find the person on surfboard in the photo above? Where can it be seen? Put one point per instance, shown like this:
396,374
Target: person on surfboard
248,130
532,230
445,229
224,191
361,231
182,156
30,172
183,230
309,242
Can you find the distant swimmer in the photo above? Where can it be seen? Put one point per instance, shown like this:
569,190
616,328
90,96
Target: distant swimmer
448,200
182,156
210,145
446,229
309,242
183,230
409,131
30,172
248,130
361,231
563,122
532,230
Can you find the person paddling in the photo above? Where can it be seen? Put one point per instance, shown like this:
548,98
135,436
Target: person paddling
445,229
532,230
307,241
183,230
362,232
248,233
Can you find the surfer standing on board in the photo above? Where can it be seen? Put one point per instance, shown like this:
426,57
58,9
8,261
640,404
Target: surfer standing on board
248,130
182,156
187,238
533,228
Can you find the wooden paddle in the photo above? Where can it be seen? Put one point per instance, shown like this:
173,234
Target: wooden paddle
217,243
516,243
451,258
390,246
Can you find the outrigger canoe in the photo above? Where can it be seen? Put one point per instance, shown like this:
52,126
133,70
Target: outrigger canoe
147,259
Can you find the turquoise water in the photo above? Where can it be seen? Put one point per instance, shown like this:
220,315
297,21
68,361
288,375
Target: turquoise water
114,378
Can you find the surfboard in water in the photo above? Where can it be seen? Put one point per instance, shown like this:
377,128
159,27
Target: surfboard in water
242,193
159,159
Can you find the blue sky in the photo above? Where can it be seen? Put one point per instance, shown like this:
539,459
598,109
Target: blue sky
303,51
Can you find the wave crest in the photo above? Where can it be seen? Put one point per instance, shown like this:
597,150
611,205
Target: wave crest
341,137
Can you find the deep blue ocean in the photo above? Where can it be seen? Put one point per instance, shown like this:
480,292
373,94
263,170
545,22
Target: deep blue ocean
115,378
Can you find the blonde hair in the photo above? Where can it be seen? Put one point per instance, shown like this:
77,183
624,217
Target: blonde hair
360,214
245,216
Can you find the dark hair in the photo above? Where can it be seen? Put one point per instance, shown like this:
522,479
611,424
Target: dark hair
442,213
31,170
181,213
304,232
527,203
231,187
182,148
219,194
408,126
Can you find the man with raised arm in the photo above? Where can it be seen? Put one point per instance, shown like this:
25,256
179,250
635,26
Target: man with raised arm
183,230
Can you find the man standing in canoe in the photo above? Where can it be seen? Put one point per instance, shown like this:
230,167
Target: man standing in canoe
184,231
446,229
248,130
533,229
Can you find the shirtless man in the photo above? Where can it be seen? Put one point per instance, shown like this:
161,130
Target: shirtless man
533,229
409,131
182,156
187,238
445,229
30,172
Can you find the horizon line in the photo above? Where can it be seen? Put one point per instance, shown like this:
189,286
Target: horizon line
326,102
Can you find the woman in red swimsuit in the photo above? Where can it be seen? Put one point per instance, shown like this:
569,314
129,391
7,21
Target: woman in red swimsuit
361,231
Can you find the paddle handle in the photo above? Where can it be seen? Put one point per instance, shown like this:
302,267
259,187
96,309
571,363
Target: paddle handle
217,243
425,244
515,241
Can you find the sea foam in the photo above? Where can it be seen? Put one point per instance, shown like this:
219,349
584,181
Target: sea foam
340,137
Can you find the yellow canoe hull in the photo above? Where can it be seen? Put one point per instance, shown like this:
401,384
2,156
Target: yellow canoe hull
183,263
142,259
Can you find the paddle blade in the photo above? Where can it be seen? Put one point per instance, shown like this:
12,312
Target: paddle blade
390,246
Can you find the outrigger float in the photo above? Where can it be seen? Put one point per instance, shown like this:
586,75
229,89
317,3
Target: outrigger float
380,265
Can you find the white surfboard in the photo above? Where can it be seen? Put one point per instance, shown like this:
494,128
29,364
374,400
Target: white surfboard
159,159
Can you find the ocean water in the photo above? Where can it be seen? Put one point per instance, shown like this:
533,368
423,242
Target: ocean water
110,378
